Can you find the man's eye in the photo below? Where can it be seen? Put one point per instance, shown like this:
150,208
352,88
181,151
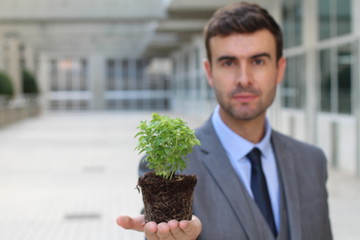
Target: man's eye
228,63
259,61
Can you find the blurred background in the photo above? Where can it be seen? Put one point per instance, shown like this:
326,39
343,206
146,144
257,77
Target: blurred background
77,76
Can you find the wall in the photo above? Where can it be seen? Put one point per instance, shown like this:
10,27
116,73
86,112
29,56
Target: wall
337,133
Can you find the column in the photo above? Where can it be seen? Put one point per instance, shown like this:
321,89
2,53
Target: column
356,107
310,38
14,68
97,81
29,59
203,81
274,113
192,77
43,80
2,54
132,82
356,92
75,84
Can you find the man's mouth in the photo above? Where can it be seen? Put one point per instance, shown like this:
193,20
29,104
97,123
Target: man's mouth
244,97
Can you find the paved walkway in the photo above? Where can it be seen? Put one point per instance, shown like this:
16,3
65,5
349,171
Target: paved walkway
67,177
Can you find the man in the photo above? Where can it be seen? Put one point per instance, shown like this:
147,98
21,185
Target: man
253,182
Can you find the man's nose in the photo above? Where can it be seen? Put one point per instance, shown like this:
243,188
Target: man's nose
244,75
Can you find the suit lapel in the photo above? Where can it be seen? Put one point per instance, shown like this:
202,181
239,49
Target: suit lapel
221,170
287,176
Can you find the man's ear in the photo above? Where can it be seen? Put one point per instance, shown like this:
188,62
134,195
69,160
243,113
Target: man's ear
281,66
208,70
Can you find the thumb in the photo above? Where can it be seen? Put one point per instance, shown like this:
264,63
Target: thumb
136,223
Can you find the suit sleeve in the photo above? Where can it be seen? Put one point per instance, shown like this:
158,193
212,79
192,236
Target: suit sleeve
142,167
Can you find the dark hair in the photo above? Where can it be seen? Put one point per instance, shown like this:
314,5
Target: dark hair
242,18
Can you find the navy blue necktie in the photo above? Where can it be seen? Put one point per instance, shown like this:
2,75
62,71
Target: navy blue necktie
259,188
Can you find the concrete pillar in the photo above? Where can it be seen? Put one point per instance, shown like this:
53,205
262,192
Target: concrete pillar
203,81
356,98
193,76
274,113
309,39
14,68
2,54
29,58
44,77
274,8
97,81
356,107
174,83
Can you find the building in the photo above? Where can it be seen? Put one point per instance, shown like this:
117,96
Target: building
137,54
318,101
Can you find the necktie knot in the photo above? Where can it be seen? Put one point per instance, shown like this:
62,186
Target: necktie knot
255,157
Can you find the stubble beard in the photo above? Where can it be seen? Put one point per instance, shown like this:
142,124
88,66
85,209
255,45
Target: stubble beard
244,112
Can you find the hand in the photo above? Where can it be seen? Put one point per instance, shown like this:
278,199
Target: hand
172,230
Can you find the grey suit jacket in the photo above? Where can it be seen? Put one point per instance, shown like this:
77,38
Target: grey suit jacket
227,211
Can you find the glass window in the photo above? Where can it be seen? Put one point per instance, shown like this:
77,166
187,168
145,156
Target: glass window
343,17
83,74
174,68
125,74
198,73
344,60
187,74
293,85
210,93
110,67
139,68
292,22
54,75
334,18
69,79
286,86
324,15
325,80
336,79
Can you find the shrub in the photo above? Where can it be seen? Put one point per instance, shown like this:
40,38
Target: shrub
166,142
29,83
6,87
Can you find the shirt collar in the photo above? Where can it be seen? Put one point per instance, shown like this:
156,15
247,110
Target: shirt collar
231,141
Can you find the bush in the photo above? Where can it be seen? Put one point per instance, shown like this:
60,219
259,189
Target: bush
166,142
29,83
6,87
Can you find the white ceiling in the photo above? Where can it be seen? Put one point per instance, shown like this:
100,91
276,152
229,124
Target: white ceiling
114,27
78,9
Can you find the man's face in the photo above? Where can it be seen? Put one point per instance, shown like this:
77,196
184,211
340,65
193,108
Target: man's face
244,73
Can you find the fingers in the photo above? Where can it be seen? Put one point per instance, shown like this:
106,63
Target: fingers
173,225
150,230
184,230
164,232
136,223
161,231
191,228
172,230
176,231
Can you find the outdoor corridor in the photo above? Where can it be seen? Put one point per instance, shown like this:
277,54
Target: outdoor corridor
67,176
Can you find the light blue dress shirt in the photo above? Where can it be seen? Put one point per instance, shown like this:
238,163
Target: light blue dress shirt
238,147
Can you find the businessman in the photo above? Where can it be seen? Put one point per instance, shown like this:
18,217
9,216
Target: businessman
253,182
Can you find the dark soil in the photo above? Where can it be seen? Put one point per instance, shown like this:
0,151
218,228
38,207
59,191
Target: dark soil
164,199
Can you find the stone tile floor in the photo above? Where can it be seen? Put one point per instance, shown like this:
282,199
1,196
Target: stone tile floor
68,176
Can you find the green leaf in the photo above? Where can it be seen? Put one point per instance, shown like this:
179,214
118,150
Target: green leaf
166,142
